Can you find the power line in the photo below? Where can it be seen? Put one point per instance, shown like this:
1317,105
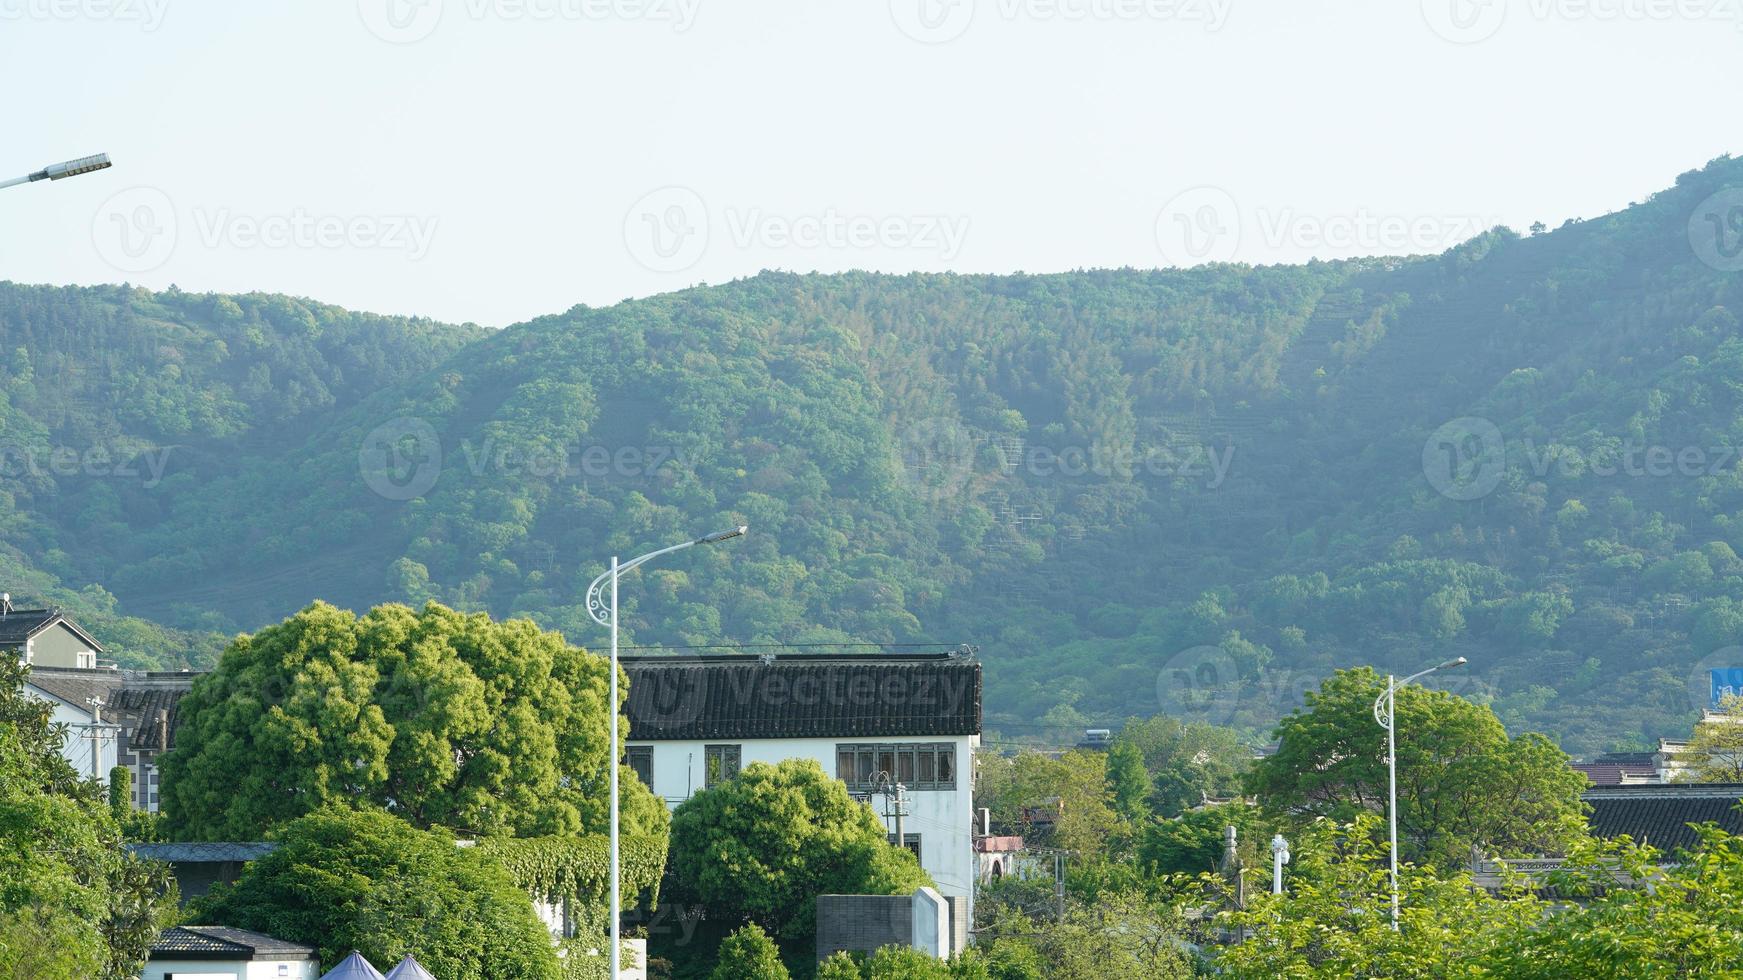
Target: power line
793,646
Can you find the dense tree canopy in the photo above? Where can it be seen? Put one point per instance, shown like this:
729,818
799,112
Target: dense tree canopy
1461,781
446,719
764,844
364,880
72,903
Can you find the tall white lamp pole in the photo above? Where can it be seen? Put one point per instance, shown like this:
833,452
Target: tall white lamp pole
1386,713
605,613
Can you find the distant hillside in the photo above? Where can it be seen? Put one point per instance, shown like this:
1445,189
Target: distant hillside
1229,479
114,398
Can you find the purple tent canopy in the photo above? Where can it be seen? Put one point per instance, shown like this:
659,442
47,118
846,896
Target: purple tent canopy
409,969
353,967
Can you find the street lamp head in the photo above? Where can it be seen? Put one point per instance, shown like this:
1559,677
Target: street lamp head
1450,664
723,535
73,168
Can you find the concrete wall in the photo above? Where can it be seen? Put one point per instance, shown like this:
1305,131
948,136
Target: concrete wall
868,923
944,819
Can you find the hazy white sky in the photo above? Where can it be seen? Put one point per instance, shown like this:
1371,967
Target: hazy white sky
494,160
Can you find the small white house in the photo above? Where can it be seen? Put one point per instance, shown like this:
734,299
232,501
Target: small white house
220,953
82,700
876,722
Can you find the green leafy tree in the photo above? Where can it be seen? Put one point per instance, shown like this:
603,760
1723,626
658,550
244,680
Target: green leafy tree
749,954
1716,750
1116,935
1462,782
1635,916
446,719
1188,762
1193,843
344,879
72,902
839,966
1334,918
767,842
1129,782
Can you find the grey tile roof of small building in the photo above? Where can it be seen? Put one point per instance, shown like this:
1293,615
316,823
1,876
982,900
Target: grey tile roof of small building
802,696
1660,814
222,942
76,685
20,625
193,852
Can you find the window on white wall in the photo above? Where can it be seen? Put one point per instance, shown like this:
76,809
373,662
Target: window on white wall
919,766
720,763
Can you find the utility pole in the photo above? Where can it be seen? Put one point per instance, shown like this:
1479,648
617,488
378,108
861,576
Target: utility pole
1059,883
901,811
95,732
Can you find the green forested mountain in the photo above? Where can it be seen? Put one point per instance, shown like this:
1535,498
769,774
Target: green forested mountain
1094,476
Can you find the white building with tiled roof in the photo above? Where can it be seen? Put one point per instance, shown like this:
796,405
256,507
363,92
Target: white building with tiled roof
871,721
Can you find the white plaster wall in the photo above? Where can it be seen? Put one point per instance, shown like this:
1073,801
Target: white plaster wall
237,970
76,749
942,818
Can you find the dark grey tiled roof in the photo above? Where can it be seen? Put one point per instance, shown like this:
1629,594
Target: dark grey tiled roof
1660,814
140,700
222,942
211,852
76,685
802,697
22,624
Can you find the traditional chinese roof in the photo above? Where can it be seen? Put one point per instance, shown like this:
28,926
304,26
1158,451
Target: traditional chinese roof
1660,814
803,696
142,697
224,943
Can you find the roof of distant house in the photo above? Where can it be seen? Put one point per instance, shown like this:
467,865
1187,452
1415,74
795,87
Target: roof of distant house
76,686
1660,814
20,625
224,943
203,852
1616,774
803,696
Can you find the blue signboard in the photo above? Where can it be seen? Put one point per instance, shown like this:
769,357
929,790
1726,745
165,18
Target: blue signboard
1723,681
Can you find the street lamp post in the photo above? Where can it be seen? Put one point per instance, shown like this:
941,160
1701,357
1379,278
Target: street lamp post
61,171
605,613
1386,713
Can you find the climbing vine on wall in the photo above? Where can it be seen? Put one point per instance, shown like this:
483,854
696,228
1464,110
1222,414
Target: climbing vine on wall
578,869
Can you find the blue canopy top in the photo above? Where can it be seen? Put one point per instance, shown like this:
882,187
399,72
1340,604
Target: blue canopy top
353,967
409,969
